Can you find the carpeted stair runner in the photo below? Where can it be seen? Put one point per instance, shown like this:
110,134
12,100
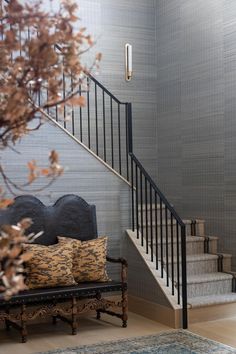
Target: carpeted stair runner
206,285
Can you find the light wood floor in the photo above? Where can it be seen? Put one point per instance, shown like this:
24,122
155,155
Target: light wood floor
223,331
45,336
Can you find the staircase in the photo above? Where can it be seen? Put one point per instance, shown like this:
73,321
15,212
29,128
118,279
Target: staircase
179,251
210,281
194,273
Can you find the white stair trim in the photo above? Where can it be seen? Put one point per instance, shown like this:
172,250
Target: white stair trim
53,121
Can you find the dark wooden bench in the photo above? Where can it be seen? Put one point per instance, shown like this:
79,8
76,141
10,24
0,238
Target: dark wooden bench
72,217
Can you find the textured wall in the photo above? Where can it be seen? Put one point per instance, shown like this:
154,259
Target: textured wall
196,126
114,24
141,282
84,175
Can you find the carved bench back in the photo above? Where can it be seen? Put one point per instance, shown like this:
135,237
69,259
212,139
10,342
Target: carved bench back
70,216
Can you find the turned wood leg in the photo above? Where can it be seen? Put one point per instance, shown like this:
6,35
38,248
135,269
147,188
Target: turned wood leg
7,325
124,308
7,322
98,297
23,324
54,320
74,316
98,315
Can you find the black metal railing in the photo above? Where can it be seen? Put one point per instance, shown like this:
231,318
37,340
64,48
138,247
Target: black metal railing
104,125
161,232
108,132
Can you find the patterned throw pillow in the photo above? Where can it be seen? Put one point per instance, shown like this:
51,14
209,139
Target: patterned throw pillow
89,263
49,266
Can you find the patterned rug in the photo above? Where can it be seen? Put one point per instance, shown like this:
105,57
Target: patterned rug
171,342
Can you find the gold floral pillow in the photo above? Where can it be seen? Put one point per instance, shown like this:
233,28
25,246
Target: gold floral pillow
89,262
49,266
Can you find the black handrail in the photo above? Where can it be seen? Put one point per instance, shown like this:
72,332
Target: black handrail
157,190
170,217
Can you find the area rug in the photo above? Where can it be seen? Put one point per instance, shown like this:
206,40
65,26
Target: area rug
171,342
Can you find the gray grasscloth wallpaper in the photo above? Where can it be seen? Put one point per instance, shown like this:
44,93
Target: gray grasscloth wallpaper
196,111
84,176
116,23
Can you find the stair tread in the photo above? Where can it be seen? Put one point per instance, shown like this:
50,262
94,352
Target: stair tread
186,221
201,257
194,257
188,239
208,277
200,301
153,206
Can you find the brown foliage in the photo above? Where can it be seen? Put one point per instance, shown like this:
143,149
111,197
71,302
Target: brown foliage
38,51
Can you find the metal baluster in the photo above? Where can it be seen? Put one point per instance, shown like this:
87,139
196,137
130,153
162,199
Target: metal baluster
151,226
88,109
119,142
184,276
39,98
172,255
11,52
167,245
132,191
48,110
20,40
141,205
64,95
178,272
127,141
156,230
137,199
80,116
112,138
96,117
161,234
56,113
146,210
72,112
104,126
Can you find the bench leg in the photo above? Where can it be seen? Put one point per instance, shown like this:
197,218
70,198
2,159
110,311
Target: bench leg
54,320
23,324
74,316
124,308
98,315
7,322
7,325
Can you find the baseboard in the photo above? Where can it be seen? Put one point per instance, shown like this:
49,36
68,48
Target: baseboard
211,313
165,315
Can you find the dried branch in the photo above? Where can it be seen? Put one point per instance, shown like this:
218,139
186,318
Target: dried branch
39,53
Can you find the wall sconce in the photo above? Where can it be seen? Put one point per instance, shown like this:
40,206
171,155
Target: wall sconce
128,62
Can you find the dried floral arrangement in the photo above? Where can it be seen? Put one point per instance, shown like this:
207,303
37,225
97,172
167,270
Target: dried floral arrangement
37,49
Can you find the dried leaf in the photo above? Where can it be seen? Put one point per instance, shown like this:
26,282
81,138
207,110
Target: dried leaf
77,101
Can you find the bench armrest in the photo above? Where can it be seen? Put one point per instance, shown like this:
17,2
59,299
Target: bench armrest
124,266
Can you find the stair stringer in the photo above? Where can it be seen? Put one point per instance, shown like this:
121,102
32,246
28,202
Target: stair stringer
148,293
57,124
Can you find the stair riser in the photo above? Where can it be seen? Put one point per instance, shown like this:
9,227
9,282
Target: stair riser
192,247
227,264
199,227
195,268
210,288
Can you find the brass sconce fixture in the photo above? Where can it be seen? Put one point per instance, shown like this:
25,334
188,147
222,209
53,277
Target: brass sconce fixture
128,62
